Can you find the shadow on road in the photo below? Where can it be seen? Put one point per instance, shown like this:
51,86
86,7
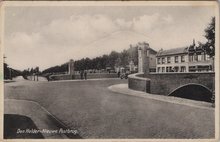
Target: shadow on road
15,124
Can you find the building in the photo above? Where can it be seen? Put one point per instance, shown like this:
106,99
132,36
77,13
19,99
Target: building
146,58
184,59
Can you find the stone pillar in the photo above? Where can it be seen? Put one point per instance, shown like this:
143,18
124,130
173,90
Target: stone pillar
71,68
143,58
131,66
140,61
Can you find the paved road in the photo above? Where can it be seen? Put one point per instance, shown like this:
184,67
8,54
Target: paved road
96,112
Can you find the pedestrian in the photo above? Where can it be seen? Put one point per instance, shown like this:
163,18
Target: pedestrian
47,77
119,74
85,74
81,74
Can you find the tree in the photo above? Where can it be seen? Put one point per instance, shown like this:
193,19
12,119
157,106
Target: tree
124,56
113,56
102,62
31,71
87,64
6,71
36,70
133,54
209,46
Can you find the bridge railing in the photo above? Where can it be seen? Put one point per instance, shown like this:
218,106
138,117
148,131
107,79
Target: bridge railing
165,83
138,82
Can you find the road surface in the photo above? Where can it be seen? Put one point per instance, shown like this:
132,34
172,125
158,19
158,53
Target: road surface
96,112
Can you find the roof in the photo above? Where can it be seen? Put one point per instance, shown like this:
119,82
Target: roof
174,51
154,52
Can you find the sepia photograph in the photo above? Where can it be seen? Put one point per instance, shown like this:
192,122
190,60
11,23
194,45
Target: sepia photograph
110,70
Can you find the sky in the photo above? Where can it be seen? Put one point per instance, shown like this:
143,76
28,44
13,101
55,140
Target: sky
46,36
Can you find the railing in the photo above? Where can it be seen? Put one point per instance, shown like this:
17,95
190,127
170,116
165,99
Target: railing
138,82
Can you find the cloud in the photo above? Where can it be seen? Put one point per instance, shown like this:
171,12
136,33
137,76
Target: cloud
23,40
123,24
81,29
78,36
168,19
84,29
145,23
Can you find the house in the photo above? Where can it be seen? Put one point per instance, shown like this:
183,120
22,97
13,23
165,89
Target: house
184,59
146,58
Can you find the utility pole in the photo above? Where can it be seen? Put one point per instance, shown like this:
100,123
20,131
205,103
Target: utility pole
5,65
4,57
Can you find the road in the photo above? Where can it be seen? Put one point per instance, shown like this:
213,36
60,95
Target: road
96,112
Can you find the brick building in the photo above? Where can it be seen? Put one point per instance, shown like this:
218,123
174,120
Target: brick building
184,59
146,58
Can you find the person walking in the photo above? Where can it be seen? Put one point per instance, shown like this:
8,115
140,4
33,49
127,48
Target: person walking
119,73
85,75
81,74
48,77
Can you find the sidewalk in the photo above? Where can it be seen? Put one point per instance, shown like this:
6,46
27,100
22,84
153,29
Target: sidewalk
39,115
123,89
78,80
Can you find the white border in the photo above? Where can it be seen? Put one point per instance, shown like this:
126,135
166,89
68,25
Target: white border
118,3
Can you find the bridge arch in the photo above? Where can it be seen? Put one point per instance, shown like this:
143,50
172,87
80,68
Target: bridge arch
193,91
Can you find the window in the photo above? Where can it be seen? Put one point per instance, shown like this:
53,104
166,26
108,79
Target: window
168,59
167,69
163,69
199,57
196,57
158,69
183,58
163,60
192,68
158,60
190,58
182,69
176,59
207,57
170,69
176,69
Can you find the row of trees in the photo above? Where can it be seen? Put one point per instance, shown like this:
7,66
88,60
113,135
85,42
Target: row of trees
56,69
9,73
114,59
30,71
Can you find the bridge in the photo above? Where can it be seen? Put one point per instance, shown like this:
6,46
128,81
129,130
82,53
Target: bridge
191,85
196,86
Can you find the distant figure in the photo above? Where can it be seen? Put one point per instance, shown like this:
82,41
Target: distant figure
48,77
85,74
119,74
81,74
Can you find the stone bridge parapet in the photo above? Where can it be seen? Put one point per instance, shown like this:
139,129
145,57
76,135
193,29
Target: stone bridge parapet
166,83
138,82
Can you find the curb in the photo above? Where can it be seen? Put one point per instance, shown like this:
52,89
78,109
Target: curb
37,107
81,80
123,89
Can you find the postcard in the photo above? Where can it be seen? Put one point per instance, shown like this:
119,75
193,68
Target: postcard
110,70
